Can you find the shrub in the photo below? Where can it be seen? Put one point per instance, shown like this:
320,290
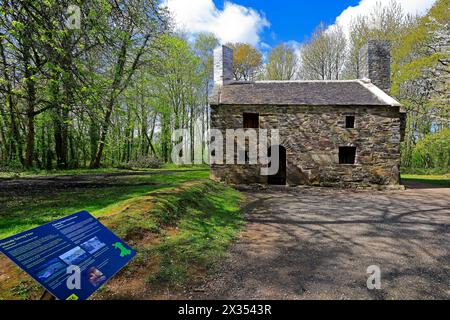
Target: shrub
14,167
433,151
144,162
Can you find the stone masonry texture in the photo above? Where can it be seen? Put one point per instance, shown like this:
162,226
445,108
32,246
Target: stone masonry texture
375,63
312,136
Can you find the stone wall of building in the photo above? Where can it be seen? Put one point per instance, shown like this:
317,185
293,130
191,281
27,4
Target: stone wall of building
312,137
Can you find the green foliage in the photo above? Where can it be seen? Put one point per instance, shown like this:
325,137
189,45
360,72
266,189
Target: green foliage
205,43
424,171
68,83
20,212
25,288
207,217
247,61
282,64
144,162
192,222
433,151
417,50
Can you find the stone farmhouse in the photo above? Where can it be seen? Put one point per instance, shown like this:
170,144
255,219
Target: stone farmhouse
343,133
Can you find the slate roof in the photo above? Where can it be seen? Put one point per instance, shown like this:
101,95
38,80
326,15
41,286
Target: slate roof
338,93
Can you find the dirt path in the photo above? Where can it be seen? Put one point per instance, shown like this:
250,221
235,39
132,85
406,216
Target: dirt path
23,186
317,244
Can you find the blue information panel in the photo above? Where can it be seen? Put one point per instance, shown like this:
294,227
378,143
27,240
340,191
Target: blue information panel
71,257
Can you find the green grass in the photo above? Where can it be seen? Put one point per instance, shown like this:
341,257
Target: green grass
425,171
56,172
208,219
189,219
436,180
20,213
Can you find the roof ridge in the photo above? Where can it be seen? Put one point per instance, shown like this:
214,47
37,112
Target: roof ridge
380,94
304,81
358,92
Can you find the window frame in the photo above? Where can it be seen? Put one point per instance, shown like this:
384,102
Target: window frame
353,121
250,114
343,157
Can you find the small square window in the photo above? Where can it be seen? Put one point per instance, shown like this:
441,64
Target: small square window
349,121
347,155
251,120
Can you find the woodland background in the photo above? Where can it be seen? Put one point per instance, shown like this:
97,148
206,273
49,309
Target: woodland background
111,93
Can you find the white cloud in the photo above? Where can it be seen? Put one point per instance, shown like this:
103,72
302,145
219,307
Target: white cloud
235,23
265,46
365,7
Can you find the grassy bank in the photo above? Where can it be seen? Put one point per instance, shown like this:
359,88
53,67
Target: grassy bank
425,171
179,240
180,223
31,173
22,211
435,180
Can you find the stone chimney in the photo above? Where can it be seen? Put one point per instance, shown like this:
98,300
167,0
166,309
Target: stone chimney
375,63
223,65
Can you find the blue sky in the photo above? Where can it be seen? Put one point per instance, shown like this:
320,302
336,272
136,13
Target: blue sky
266,23
294,19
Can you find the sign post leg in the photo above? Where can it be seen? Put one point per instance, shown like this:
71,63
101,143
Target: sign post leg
47,296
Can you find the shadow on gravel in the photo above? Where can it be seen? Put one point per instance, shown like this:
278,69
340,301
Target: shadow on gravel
316,243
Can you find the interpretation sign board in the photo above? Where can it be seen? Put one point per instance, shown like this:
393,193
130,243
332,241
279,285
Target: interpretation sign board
71,257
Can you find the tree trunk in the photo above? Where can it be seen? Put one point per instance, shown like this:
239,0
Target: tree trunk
119,71
31,101
15,142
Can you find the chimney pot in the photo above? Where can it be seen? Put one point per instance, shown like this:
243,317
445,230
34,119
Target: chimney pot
375,63
223,65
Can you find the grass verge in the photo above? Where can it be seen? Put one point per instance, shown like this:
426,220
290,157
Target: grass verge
180,225
13,174
179,241
20,211
435,180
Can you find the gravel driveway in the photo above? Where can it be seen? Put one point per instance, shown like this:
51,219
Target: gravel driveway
305,243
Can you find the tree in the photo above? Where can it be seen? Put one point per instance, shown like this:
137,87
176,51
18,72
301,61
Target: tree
133,31
420,72
324,54
384,22
282,64
247,61
204,46
179,91
433,151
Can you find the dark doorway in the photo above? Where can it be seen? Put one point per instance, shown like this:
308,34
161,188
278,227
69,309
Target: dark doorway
280,177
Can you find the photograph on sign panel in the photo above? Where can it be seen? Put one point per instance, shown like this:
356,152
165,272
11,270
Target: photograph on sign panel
95,276
92,245
50,268
74,256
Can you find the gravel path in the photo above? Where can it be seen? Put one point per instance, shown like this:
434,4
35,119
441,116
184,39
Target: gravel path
304,243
